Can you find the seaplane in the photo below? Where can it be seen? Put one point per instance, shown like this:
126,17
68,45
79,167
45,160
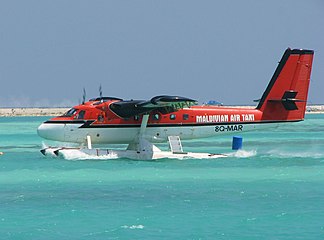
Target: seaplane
142,123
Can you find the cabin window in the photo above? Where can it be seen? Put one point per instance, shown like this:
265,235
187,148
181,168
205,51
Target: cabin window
172,116
185,116
81,115
155,117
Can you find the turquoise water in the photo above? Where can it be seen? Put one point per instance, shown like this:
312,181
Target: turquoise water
277,192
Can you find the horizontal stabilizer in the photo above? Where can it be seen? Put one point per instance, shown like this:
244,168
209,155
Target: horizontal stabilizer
288,100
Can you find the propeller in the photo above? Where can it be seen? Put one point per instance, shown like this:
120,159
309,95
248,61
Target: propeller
84,96
100,92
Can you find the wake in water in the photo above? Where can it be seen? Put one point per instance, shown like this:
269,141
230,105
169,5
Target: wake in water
77,155
133,227
243,154
289,154
277,153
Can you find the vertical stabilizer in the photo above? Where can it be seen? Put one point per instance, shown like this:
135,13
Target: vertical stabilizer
286,95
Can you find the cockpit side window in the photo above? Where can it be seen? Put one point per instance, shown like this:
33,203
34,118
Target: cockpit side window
100,118
70,113
81,114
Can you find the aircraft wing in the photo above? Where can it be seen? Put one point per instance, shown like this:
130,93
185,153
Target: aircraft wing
169,101
163,103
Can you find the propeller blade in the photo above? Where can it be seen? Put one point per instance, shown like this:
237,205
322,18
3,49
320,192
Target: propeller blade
84,96
100,91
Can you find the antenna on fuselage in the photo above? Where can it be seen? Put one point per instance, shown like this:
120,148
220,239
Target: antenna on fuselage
84,96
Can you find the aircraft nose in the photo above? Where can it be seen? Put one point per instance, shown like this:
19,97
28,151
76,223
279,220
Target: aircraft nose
51,131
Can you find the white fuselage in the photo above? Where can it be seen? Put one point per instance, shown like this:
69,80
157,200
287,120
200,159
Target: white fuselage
124,135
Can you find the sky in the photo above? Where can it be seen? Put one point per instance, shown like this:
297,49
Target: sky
137,49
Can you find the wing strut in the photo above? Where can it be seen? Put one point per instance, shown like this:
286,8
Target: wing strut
143,124
140,144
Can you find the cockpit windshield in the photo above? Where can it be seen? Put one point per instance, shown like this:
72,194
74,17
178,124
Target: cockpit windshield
70,113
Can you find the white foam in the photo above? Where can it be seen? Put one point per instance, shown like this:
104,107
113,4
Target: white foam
286,154
78,155
133,227
44,145
243,154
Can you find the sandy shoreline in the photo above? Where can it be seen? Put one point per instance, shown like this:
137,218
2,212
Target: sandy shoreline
24,112
17,112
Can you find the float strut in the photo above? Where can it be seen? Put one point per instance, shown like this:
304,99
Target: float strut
89,142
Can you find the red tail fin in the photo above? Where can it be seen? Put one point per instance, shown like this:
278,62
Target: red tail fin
286,95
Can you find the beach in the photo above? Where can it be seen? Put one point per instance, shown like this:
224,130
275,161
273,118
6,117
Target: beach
24,112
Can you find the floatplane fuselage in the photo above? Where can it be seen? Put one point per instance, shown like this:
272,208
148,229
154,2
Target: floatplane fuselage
188,123
140,123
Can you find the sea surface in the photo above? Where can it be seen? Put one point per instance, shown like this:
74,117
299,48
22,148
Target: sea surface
273,189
